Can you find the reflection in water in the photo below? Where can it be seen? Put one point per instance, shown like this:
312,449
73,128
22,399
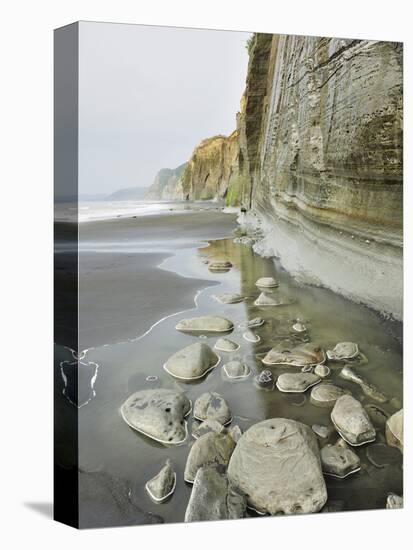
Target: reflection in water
107,444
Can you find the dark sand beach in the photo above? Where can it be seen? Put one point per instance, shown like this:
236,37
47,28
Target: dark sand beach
138,278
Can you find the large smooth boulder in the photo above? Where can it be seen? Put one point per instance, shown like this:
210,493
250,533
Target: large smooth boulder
228,298
276,463
296,382
352,421
158,414
212,406
325,395
226,345
394,430
339,460
205,323
299,356
192,362
162,486
213,497
211,448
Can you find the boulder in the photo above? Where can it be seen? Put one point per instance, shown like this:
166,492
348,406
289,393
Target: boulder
212,406
266,282
250,336
201,428
227,345
163,484
377,415
205,323
339,460
236,369
158,414
296,382
325,395
322,371
394,502
343,351
347,373
211,448
394,430
352,422
265,380
220,266
192,362
276,463
228,298
265,299
299,356
213,497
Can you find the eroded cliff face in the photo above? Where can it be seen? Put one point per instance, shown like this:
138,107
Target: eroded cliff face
212,168
167,184
321,145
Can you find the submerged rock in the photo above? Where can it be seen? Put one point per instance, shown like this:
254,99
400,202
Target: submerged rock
209,425
276,463
158,414
322,371
296,382
300,356
266,282
339,460
381,455
205,323
224,344
256,322
163,484
348,373
212,406
307,368
220,266
211,448
322,431
377,415
213,497
251,336
265,299
394,430
236,369
343,351
265,380
325,395
352,422
229,298
394,502
192,362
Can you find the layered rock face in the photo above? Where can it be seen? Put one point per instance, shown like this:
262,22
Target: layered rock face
212,168
167,184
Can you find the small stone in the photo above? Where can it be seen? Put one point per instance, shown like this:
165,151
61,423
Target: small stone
206,323
192,362
265,299
210,425
322,431
163,484
339,460
322,371
394,502
256,322
213,497
265,380
352,421
158,414
296,382
220,266
266,282
211,448
394,430
343,351
236,369
377,415
235,432
325,395
251,336
224,344
228,298
212,406
299,327
307,368
300,356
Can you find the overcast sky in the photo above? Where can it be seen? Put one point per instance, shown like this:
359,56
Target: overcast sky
148,95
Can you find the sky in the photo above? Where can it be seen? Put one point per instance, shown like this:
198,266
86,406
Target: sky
148,95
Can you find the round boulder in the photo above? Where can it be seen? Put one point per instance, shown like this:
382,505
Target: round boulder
276,463
339,460
343,351
192,362
236,369
325,395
